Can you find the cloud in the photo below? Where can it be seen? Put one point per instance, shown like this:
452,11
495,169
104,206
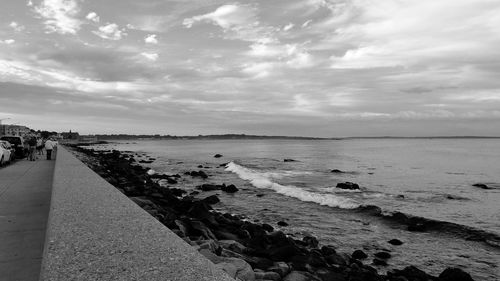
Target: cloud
150,56
8,41
17,27
110,31
151,39
59,15
92,16
288,27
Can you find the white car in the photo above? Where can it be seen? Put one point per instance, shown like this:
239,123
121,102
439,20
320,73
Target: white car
5,153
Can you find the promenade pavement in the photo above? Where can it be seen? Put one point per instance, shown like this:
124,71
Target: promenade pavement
25,192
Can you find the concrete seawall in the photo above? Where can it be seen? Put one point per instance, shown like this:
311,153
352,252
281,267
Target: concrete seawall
95,232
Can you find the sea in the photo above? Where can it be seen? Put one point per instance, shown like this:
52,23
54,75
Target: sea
431,178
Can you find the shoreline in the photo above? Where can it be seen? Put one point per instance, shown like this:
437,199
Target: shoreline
222,238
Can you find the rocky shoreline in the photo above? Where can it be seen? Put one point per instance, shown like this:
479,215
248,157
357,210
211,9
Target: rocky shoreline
245,250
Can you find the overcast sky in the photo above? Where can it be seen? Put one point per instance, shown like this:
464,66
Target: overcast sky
280,67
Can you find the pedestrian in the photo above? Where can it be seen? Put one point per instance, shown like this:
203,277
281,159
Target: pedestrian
32,147
39,146
49,145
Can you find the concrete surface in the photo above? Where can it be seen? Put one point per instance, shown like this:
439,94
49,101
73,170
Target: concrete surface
96,233
25,190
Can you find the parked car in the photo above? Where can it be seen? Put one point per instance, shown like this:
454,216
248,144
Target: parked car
9,147
18,143
5,154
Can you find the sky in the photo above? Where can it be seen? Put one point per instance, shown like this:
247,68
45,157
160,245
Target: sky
324,68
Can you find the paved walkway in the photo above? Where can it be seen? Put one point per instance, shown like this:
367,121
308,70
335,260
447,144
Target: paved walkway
25,191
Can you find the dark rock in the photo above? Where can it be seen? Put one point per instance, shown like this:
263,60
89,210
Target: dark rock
481,185
282,223
212,199
230,188
311,241
200,174
209,187
328,250
200,166
217,155
347,185
259,195
379,262
395,242
411,273
289,160
300,276
454,274
383,255
284,253
337,259
336,171
359,255
267,227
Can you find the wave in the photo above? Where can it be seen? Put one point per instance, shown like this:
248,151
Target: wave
263,180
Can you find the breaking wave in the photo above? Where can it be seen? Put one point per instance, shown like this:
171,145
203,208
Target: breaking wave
263,180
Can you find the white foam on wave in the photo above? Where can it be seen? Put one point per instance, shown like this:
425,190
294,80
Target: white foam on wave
260,180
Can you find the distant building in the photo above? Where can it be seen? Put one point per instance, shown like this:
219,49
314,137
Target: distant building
14,130
70,135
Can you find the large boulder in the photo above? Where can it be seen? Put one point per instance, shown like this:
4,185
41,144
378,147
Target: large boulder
229,189
347,185
454,274
244,271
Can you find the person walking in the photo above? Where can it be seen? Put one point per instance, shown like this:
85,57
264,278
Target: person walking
32,148
49,146
39,146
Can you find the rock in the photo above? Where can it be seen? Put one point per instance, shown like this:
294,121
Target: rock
217,155
229,268
383,255
210,245
200,174
259,195
282,223
336,171
379,262
328,250
244,271
232,245
327,275
337,259
289,160
481,185
209,187
347,185
202,229
359,255
267,227
268,276
142,201
212,199
395,242
300,276
411,273
282,268
200,166
229,189
311,241
284,253
454,274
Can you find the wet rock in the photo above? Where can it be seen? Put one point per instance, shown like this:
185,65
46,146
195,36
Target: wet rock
209,187
411,273
212,199
284,253
282,223
232,245
337,259
359,255
395,242
282,268
267,227
328,250
481,185
270,275
383,255
347,185
289,160
200,174
336,171
200,166
379,262
229,189
217,155
259,195
311,241
454,274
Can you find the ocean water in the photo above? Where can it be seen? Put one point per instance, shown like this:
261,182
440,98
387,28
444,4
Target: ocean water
431,178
